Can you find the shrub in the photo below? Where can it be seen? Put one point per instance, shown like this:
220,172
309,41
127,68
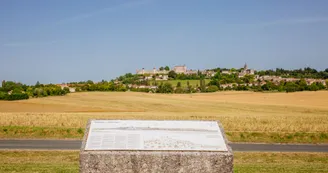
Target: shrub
320,86
242,88
291,87
146,90
80,131
17,96
179,90
212,88
17,90
66,89
179,84
313,87
165,88
3,95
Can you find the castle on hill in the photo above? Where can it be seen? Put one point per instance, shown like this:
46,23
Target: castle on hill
182,69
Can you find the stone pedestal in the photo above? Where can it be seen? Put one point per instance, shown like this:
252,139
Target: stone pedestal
157,150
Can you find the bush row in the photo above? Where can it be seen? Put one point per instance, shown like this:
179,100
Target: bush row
13,96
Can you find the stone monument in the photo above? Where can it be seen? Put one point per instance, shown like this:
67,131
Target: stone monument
137,146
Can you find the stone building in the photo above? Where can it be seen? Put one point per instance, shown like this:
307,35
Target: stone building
62,86
176,69
246,71
208,73
154,71
180,69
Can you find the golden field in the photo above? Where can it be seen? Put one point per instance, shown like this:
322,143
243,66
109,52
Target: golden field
250,113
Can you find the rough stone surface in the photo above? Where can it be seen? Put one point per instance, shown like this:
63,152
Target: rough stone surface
155,161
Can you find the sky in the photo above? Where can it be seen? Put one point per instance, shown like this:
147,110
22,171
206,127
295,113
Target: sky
58,41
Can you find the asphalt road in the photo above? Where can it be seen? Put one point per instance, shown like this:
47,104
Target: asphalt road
76,144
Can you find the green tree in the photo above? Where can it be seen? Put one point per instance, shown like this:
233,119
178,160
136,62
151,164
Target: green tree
291,87
85,88
202,85
121,87
248,79
90,82
320,86
3,95
10,85
265,87
37,84
303,85
217,75
172,74
161,68
281,86
17,90
167,68
242,88
181,76
38,92
45,92
77,89
179,90
313,87
165,88
179,84
17,96
29,91
189,87
154,83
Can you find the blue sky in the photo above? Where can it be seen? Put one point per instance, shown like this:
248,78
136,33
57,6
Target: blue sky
59,41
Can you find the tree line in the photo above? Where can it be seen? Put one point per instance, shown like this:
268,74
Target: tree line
99,86
281,87
17,91
296,73
248,82
220,78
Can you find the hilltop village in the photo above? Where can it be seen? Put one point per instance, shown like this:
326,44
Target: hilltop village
253,78
163,74
180,79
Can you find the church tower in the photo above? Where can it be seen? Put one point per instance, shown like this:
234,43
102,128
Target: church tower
245,67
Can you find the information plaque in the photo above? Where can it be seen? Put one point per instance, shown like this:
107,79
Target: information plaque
155,135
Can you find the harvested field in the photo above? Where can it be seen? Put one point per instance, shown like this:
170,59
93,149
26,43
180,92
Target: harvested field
246,116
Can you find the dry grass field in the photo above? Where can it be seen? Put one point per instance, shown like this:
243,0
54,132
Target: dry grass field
300,117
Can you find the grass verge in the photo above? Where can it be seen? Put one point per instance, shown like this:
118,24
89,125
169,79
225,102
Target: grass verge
39,161
41,132
68,161
280,162
77,133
